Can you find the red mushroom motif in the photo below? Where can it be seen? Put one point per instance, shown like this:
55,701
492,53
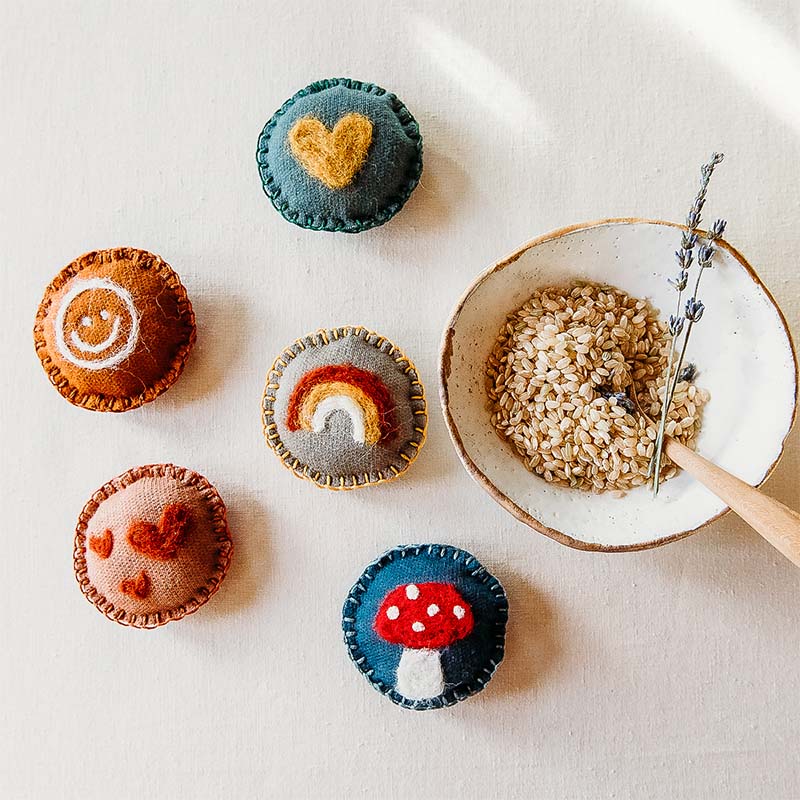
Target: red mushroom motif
424,618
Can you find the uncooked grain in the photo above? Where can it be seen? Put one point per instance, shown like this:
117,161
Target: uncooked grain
552,378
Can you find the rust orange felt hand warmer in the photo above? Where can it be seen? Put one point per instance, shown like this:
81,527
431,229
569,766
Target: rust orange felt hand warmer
114,329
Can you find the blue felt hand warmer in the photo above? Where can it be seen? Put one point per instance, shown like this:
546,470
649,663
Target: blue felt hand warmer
426,625
340,155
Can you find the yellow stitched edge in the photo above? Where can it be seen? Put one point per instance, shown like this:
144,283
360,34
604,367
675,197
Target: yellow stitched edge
274,441
93,400
219,528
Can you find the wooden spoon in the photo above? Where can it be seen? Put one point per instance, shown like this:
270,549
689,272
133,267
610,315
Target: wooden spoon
779,525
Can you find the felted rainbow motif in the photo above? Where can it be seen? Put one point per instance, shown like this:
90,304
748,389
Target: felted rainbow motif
360,394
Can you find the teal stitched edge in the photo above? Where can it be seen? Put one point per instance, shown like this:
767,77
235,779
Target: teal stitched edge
452,695
320,223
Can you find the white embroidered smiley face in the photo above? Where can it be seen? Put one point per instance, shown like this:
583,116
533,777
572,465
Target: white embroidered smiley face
97,325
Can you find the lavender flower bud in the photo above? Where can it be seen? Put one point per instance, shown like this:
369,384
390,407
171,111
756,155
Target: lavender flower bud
684,258
679,282
621,398
705,255
675,325
718,228
624,402
694,309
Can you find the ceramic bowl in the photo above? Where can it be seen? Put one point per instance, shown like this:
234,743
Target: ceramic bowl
742,348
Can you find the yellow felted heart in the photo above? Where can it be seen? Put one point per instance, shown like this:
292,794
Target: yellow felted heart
333,157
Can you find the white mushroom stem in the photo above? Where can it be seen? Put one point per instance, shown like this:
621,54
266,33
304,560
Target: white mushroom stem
419,674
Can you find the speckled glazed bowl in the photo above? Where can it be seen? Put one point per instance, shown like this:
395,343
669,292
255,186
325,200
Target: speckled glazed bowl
742,348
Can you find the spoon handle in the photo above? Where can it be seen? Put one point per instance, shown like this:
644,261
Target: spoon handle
779,525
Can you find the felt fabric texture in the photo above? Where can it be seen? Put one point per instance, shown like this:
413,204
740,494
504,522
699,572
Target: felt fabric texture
372,396
333,157
384,179
424,616
138,587
170,545
419,674
162,541
467,663
325,399
114,329
102,544
333,457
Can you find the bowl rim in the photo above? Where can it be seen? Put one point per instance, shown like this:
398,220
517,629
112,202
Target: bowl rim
445,359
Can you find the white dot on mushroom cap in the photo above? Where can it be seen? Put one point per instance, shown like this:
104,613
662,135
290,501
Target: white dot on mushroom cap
412,591
86,321
433,610
459,611
417,627
104,314
393,612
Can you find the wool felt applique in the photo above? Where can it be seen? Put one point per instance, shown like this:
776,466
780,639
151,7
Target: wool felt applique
114,329
426,625
344,408
152,545
340,155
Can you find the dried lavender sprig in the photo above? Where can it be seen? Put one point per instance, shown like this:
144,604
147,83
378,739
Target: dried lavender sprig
684,256
693,310
693,313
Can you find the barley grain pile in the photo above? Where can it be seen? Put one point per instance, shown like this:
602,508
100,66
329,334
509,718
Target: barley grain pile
562,378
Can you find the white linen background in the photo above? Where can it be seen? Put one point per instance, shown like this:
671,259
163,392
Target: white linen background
661,674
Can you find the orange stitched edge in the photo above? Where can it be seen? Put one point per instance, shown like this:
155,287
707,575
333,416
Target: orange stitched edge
99,402
219,527
296,467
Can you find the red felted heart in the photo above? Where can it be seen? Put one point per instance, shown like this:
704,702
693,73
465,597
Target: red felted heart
138,587
163,540
102,544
